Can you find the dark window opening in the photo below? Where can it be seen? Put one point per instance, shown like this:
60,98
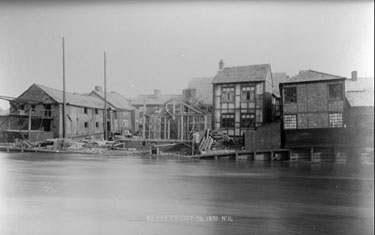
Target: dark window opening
248,93
96,111
335,92
47,111
290,94
228,94
227,120
85,110
86,124
247,120
96,124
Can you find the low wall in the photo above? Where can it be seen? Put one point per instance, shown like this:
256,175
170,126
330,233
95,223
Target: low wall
264,137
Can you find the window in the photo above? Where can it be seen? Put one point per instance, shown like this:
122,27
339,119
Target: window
33,107
335,92
335,119
290,121
22,107
96,124
96,111
247,120
227,94
227,120
47,111
86,124
290,94
85,110
247,93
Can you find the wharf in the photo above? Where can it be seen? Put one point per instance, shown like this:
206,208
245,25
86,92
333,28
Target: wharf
266,154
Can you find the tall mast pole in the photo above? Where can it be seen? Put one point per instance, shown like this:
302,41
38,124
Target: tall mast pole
64,101
105,97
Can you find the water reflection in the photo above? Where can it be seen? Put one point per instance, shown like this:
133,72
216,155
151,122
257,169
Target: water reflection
86,194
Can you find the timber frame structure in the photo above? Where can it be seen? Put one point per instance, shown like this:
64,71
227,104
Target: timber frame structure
175,121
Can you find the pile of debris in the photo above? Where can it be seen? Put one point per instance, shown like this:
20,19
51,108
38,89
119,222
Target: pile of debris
215,140
23,144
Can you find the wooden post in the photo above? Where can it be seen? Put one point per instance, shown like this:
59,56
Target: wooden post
105,98
64,99
205,121
29,126
334,153
149,127
182,126
192,146
165,127
169,129
178,129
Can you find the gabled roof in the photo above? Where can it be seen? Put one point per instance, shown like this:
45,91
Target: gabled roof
152,100
163,109
277,79
115,99
247,73
360,98
72,98
361,84
310,76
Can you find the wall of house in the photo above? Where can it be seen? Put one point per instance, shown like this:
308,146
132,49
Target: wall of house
268,107
313,104
360,126
121,120
77,118
316,137
260,107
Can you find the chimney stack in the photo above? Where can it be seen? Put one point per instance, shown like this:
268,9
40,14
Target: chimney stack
221,64
156,93
98,88
354,76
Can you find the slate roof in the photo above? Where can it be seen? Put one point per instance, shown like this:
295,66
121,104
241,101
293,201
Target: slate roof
277,78
115,99
361,84
247,73
360,98
73,98
152,100
311,75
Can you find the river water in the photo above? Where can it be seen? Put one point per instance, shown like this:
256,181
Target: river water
87,194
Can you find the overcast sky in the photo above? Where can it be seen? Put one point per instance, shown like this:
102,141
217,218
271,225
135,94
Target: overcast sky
162,45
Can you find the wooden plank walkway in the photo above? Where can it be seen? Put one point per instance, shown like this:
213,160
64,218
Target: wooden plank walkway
236,154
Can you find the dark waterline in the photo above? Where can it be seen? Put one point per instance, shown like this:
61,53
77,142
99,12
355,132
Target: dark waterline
85,194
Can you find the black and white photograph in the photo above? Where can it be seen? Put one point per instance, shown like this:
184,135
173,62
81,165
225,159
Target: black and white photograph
205,117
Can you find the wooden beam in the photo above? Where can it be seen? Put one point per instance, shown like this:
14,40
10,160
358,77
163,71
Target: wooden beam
29,125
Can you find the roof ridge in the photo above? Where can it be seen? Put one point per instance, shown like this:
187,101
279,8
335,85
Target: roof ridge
241,66
73,93
324,73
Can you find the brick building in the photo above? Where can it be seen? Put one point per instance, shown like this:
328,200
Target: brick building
313,120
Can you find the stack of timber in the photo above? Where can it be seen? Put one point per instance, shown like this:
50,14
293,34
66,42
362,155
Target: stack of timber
206,142
23,144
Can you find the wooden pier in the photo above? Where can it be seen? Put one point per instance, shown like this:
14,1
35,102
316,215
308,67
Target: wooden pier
265,155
